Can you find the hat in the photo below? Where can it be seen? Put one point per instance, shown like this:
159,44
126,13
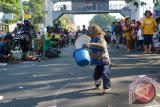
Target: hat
26,21
49,27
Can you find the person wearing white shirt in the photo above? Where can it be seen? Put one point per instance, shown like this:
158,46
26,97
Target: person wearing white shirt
140,38
72,37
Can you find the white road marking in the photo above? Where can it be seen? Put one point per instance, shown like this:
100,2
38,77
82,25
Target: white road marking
21,87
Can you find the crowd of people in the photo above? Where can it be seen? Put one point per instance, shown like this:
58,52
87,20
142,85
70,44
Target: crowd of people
21,42
140,35
12,44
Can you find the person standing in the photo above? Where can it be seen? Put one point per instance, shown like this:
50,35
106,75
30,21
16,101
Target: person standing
127,28
112,28
72,37
149,26
84,30
140,38
118,33
100,57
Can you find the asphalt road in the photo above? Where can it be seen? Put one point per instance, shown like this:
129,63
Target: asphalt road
60,82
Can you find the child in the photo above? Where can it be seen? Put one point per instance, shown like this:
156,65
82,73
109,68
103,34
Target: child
140,38
100,57
156,43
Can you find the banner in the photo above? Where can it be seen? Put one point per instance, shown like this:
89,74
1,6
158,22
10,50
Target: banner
27,16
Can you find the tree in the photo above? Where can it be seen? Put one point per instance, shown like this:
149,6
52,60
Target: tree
35,8
66,21
25,6
156,2
11,6
103,20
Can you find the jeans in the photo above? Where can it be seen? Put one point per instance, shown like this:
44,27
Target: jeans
103,71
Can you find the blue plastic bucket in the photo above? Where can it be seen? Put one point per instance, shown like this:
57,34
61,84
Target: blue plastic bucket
82,57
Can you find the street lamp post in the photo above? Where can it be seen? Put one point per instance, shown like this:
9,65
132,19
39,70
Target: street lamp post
1,16
44,13
22,10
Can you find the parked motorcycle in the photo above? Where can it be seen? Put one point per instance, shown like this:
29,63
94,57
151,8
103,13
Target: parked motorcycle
21,41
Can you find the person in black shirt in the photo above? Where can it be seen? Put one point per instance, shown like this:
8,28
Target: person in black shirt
118,33
84,30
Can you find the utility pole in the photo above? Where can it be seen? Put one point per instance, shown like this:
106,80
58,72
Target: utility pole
22,10
44,10
1,16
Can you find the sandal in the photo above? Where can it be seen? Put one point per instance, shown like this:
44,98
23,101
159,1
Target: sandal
98,84
144,52
150,52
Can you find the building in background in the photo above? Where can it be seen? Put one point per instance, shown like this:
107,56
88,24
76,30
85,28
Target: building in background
9,16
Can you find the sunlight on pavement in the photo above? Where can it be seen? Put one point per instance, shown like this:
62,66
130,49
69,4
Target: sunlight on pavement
53,106
3,64
1,97
158,95
21,87
153,106
46,65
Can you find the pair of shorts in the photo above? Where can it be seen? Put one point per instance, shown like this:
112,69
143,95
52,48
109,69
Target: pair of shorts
148,39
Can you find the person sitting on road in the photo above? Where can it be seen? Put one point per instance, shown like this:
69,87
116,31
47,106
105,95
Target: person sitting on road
1,35
50,52
5,48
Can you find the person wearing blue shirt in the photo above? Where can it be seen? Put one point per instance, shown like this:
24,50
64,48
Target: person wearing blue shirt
5,47
100,57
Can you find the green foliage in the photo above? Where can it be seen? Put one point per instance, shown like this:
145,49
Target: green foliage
25,6
66,21
37,27
10,21
35,8
103,20
59,22
11,6
156,2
